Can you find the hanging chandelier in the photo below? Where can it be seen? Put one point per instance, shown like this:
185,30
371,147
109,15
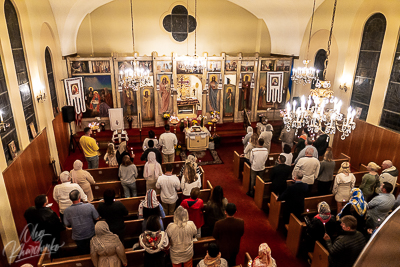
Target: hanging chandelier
133,75
193,63
306,75
317,114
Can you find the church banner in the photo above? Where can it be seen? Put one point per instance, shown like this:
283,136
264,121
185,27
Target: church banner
274,87
75,94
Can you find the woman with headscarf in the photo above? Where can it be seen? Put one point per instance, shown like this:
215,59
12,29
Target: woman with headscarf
370,181
267,136
344,182
190,180
213,258
155,243
122,151
357,206
264,258
106,250
322,223
83,178
247,137
150,206
152,170
181,233
251,144
192,160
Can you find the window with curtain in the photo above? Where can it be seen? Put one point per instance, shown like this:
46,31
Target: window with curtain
391,109
50,80
20,64
368,60
9,134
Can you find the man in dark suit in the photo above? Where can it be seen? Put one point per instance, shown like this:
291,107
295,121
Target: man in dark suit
151,148
294,196
279,175
228,233
322,143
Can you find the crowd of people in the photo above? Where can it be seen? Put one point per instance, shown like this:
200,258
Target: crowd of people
360,210
101,232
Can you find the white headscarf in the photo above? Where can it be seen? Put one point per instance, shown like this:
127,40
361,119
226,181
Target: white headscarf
181,216
249,129
64,176
151,166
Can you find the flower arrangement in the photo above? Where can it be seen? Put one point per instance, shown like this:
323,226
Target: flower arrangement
166,116
214,116
178,149
194,122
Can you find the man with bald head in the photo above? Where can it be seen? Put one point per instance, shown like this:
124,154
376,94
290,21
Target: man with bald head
61,192
309,145
389,174
308,167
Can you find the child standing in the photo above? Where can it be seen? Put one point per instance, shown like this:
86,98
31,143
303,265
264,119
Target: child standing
110,157
195,206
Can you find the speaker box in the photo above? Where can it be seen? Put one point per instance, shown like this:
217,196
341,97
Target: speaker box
68,113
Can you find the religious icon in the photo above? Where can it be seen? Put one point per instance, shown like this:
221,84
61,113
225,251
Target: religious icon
213,92
164,93
164,66
214,66
247,65
95,102
229,100
12,148
231,65
147,104
283,65
146,65
244,96
267,65
101,66
74,89
129,100
79,67
262,92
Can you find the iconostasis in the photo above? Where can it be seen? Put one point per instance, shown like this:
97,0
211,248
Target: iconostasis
227,84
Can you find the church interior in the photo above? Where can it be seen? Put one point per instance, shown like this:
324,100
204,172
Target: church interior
139,65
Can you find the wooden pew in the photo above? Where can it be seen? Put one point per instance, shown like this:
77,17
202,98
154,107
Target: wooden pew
134,257
310,207
262,192
246,178
132,203
320,256
238,163
295,232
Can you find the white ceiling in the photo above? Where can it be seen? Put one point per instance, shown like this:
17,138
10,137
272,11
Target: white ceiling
286,20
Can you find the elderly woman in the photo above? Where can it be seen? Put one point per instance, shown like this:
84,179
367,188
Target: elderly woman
322,223
370,181
267,136
247,137
343,184
264,258
357,207
83,178
106,250
181,233
152,170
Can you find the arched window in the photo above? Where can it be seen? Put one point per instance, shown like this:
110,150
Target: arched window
9,134
368,60
50,80
391,108
20,65
319,64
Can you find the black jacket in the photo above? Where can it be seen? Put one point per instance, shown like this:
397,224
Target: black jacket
279,175
152,149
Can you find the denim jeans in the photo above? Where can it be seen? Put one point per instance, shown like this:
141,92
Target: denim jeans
93,162
129,189
253,176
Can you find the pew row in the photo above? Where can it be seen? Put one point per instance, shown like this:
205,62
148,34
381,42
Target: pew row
310,207
110,174
320,256
132,203
262,192
134,257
